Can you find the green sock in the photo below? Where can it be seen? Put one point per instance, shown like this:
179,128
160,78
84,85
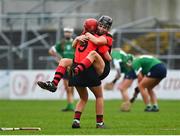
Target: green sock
70,106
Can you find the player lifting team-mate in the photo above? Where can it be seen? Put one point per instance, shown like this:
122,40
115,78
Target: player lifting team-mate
91,57
88,77
94,84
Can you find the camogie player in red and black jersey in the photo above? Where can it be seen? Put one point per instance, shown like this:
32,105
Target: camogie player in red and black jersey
85,49
90,25
95,50
90,69
88,78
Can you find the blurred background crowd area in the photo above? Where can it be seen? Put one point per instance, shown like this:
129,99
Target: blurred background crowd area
28,28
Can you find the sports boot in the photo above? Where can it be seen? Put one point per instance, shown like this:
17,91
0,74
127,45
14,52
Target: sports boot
155,108
148,109
76,123
100,125
47,85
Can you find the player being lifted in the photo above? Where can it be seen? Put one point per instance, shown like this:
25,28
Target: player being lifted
101,57
93,58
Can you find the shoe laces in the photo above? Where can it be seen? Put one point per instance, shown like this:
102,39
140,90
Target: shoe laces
49,83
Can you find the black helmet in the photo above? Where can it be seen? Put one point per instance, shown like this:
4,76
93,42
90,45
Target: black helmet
106,21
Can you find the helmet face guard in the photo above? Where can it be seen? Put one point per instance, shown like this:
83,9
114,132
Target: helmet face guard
105,21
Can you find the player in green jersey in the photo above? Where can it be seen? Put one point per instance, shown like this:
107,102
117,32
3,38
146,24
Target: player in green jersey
120,60
64,49
153,71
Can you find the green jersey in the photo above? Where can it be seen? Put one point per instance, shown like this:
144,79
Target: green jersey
118,55
120,60
65,48
144,63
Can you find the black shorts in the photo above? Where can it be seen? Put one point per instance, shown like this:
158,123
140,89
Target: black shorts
130,75
157,71
106,70
87,78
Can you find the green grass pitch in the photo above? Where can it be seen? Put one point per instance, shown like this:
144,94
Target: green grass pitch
47,115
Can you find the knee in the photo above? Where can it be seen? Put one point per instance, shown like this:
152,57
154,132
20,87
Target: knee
68,89
62,62
122,88
84,99
99,96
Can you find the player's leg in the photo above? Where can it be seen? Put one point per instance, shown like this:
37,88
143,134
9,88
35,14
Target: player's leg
152,83
83,94
124,85
98,93
144,93
60,71
154,101
94,59
157,73
148,83
69,96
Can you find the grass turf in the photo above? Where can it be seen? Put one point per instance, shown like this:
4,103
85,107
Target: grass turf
47,115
